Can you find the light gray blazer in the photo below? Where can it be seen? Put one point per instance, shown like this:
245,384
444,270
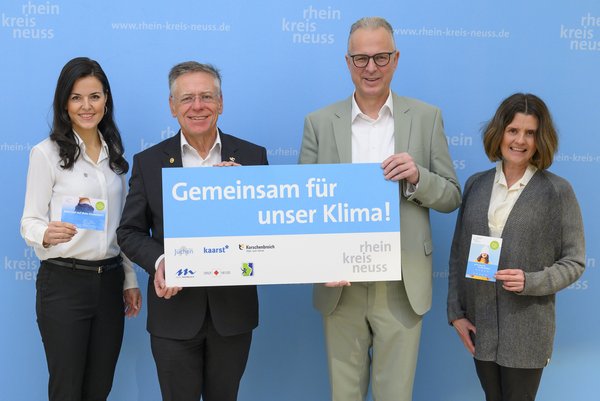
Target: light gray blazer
418,130
544,237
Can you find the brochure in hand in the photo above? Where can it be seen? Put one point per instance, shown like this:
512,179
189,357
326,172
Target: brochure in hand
484,255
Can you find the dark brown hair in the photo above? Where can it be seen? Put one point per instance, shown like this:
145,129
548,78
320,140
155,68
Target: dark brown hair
546,137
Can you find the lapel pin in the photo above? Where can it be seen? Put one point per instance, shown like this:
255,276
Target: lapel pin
171,160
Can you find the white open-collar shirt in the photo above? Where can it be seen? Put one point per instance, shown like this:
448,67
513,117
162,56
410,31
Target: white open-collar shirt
372,139
191,158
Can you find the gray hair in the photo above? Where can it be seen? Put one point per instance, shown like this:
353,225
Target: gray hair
372,23
193,66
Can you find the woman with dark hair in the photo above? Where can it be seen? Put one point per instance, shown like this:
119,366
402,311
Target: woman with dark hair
508,325
85,286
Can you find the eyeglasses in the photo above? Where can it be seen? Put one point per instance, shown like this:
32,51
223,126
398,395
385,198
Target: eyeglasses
362,60
203,97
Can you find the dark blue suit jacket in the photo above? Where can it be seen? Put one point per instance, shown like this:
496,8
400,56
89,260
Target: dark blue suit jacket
234,310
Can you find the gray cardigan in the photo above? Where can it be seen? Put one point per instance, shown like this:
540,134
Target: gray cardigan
544,237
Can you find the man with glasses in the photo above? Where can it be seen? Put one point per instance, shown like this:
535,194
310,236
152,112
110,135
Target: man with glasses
372,330
200,336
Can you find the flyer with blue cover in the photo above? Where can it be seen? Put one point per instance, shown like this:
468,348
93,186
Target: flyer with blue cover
484,256
85,213
280,224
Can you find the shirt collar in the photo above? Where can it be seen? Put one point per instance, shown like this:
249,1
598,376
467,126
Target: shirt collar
501,179
186,147
389,105
103,149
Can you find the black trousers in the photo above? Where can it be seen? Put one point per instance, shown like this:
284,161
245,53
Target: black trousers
208,365
500,383
80,315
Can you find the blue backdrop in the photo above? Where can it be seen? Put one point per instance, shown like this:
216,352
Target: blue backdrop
281,60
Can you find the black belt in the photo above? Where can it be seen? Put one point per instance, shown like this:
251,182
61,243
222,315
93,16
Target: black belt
97,266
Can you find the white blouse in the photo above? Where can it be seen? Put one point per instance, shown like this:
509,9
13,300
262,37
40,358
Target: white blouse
48,185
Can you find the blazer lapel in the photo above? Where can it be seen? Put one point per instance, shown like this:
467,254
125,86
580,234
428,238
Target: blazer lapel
172,149
342,131
228,149
402,123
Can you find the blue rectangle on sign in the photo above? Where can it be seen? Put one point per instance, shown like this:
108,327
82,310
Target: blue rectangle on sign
279,200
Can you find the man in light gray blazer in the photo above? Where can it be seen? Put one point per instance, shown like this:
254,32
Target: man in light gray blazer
372,330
